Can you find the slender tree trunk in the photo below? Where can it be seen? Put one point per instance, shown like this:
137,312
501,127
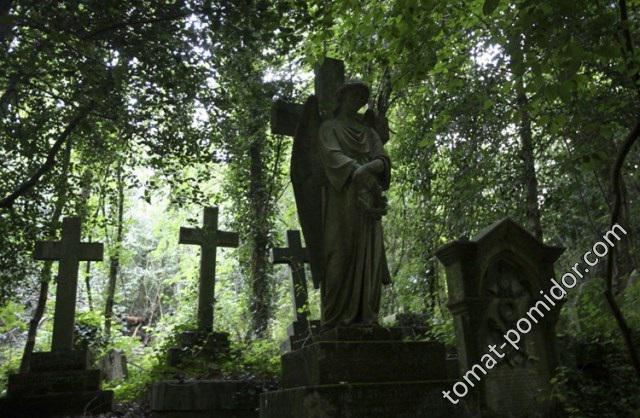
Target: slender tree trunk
261,289
616,181
87,282
45,274
85,194
529,176
114,266
624,262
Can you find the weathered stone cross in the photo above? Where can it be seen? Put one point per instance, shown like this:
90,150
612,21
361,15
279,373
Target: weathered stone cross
68,252
209,238
285,118
295,256
329,77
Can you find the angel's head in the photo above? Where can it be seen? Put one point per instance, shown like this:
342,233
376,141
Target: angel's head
352,96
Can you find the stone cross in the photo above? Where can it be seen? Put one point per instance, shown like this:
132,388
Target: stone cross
68,252
209,238
285,117
329,77
295,256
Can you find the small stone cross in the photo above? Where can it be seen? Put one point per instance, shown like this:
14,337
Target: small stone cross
209,238
295,256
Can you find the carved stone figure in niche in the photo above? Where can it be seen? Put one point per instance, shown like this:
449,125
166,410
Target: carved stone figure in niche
343,163
510,298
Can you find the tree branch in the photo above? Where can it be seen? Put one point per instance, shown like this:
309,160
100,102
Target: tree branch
615,216
27,185
96,33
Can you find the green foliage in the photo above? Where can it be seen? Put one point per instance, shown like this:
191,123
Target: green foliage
179,96
11,318
259,359
600,374
88,332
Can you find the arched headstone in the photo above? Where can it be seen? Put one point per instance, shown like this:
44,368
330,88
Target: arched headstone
494,280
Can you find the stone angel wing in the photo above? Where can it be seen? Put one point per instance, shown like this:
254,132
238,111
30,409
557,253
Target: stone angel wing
379,123
308,179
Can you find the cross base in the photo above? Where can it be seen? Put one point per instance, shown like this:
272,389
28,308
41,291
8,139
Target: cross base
197,346
59,383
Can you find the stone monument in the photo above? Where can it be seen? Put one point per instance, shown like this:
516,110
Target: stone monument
352,367
204,398
494,280
296,256
209,238
59,382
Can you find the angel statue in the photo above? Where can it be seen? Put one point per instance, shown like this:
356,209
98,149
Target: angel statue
339,172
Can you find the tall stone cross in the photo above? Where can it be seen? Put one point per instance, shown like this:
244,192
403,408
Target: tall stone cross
295,256
68,252
329,77
285,117
209,238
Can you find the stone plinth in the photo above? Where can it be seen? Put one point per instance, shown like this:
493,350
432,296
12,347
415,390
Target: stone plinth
374,400
59,384
362,372
204,398
325,363
194,345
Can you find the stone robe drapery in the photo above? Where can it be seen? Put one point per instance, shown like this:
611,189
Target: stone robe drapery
355,261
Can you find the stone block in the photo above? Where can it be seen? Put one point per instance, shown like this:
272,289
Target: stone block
210,398
361,400
326,363
56,405
31,384
360,333
59,360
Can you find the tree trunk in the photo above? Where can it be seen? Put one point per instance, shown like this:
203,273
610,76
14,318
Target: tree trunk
616,187
85,194
260,287
529,177
45,274
5,26
114,266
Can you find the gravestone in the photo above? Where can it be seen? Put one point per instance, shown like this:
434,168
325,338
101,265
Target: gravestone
114,366
199,398
208,238
360,370
59,382
296,256
493,281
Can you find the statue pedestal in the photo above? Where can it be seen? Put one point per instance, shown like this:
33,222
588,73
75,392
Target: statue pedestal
362,372
59,383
